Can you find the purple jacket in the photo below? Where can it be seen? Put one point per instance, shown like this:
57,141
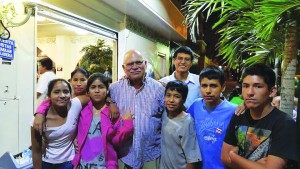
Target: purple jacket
113,135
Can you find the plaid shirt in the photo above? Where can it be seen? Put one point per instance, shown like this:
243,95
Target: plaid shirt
147,105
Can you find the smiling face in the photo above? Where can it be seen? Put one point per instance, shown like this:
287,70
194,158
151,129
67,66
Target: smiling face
183,62
211,90
78,83
60,94
173,101
134,66
97,91
255,92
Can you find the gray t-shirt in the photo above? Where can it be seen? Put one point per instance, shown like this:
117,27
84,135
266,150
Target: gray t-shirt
179,142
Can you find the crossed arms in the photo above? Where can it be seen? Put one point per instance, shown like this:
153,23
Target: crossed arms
231,159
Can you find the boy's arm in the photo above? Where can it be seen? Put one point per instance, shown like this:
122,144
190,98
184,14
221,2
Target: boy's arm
36,142
271,162
190,166
231,159
194,165
190,146
225,158
240,109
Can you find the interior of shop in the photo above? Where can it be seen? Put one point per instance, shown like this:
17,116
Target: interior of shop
64,45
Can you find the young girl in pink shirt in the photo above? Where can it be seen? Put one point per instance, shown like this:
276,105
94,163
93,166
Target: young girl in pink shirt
97,135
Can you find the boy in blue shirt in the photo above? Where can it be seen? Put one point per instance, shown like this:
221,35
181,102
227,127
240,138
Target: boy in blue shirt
211,115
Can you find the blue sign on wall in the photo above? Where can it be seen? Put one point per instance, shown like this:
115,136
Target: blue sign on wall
7,49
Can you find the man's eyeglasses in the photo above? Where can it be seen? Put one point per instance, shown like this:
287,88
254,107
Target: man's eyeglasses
131,64
185,59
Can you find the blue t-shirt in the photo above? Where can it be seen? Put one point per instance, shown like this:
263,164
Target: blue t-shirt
211,125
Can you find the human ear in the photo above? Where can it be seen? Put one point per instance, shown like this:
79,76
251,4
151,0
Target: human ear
223,87
273,92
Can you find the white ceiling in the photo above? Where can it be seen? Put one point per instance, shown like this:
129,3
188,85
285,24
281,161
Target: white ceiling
51,28
138,11
111,14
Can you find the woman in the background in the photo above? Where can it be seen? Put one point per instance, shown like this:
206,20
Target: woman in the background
78,81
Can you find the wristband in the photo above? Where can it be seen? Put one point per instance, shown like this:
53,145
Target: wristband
110,102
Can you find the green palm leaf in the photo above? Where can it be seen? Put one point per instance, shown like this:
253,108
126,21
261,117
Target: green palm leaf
274,12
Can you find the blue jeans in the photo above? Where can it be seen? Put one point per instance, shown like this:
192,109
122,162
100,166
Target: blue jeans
65,165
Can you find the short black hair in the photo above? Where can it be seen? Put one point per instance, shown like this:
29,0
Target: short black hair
81,70
47,62
263,71
184,49
178,86
212,72
52,83
96,76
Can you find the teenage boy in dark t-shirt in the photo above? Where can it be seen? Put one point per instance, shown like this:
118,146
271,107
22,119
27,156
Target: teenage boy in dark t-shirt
262,137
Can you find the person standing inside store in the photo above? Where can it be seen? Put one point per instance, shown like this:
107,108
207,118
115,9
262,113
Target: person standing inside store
144,97
108,73
46,75
262,137
212,116
183,60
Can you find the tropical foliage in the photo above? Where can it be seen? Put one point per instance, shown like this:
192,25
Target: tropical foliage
96,57
254,31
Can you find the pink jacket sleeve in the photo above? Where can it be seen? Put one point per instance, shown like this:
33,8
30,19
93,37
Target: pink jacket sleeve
109,128
43,107
117,132
123,133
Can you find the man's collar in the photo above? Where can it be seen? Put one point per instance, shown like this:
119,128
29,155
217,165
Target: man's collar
188,79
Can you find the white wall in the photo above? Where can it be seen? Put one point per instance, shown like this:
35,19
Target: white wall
15,119
26,76
129,40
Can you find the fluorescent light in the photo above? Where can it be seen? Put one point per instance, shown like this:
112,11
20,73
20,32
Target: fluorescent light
64,17
40,18
78,30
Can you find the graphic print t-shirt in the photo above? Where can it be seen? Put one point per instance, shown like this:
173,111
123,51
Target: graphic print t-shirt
211,125
274,134
92,150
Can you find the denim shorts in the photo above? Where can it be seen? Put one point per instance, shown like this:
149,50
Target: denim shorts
65,165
